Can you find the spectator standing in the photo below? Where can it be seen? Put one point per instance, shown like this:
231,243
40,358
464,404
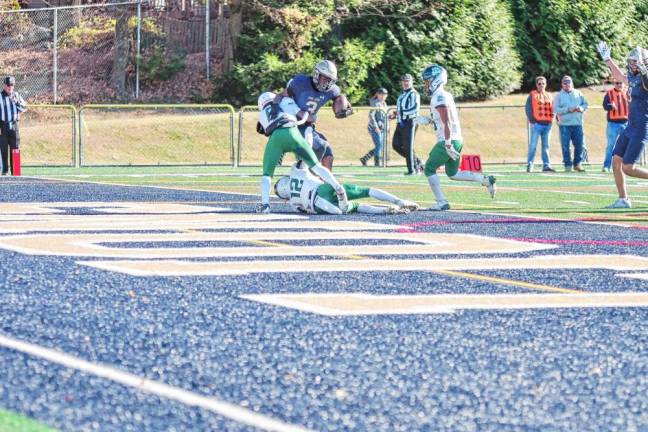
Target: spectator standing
408,106
377,125
570,105
11,105
539,112
615,103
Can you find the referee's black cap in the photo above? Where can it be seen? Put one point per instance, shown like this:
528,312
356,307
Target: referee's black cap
9,81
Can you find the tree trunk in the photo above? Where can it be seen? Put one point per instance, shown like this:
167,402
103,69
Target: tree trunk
120,60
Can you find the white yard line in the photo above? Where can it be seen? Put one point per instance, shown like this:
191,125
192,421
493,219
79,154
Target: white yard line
577,202
225,409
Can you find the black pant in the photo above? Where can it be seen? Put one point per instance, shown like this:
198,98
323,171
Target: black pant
403,143
9,138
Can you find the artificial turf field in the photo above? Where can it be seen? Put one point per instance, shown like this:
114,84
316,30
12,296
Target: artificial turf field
153,299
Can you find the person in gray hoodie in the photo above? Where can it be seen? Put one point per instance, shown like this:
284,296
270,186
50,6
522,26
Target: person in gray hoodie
570,104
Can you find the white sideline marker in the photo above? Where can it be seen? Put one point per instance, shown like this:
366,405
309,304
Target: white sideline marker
225,409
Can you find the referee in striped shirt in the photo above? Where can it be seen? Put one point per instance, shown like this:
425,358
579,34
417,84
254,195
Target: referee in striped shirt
11,105
407,109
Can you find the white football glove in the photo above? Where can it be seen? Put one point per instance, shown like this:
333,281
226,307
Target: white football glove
308,135
343,203
454,154
604,50
641,62
422,120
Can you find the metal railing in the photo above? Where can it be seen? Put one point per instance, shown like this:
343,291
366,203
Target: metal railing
115,135
112,135
49,135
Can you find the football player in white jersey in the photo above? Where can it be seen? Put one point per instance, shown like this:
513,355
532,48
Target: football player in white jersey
447,150
279,122
308,194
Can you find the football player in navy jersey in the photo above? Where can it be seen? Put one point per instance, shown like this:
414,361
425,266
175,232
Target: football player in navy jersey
311,92
631,143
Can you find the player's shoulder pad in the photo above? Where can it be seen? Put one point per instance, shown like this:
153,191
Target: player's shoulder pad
439,99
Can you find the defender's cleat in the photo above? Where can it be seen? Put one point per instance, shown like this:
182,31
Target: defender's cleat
262,208
490,185
440,206
409,205
397,210
620,203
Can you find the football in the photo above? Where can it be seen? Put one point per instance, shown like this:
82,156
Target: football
341,107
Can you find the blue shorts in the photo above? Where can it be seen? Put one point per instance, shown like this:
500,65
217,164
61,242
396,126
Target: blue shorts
629,146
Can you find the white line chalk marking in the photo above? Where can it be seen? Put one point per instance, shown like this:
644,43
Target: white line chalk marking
225,409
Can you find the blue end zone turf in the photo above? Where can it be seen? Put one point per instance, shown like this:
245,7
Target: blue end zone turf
463,368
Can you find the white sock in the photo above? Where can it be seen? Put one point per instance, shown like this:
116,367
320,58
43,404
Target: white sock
469,176
326,175
381,195
327,206
266,182
369,209
435,184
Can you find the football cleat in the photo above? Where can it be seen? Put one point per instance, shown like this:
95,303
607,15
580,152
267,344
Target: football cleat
397,210
620,203
440,206
262,208
490,185
409,205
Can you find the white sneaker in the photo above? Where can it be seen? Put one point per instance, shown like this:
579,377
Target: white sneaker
262,208
440,206
490,185
620,203
409,205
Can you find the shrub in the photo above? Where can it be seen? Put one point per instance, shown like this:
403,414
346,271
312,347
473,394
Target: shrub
558,37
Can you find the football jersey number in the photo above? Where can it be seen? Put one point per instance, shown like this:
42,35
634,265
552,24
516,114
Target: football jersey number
312,106
296,187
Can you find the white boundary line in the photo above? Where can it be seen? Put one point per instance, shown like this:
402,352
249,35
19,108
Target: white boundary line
225,409
140,186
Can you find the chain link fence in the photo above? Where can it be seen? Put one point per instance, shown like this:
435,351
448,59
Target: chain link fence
156,135
111,52
48,135
209,134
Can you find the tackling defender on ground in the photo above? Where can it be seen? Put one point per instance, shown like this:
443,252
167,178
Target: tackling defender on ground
447,150
279,121
308,194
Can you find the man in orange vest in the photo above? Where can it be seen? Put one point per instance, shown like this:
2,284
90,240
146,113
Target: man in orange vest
539,111
615,103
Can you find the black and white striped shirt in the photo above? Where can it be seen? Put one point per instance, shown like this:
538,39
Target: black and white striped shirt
408,105
11,106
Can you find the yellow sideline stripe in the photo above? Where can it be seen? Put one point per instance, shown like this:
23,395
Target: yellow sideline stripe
266,243
521,284
465,275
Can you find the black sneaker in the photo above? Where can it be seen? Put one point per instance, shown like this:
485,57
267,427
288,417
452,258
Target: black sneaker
548,169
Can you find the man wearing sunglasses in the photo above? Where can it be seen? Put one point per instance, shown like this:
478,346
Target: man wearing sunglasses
631,143
615,103
570,105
